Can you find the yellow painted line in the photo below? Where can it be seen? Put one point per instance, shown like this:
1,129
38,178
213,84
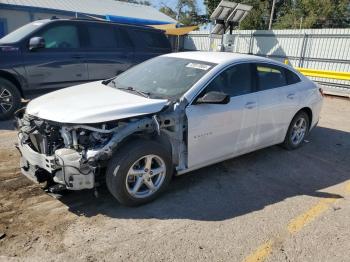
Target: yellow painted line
261,253
300,221
294,226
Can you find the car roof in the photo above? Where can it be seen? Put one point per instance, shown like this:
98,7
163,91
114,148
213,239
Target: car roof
88,20
220,57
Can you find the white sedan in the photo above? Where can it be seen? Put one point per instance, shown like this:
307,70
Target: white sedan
169,115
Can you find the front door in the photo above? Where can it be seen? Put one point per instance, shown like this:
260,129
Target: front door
219,131
60,63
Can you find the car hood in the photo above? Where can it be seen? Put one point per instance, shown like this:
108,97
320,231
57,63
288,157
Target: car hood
92,103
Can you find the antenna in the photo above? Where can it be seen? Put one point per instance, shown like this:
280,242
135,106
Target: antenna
226,16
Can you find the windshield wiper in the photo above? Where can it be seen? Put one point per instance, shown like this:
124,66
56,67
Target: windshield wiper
130,88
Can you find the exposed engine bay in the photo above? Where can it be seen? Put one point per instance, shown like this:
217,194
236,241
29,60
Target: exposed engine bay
73,156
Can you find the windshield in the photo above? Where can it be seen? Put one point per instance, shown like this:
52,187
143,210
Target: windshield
21,32
163,77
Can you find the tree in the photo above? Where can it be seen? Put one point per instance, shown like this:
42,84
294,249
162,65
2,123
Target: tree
316,14
293,13
185,12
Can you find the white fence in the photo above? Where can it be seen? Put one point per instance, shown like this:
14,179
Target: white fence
324,49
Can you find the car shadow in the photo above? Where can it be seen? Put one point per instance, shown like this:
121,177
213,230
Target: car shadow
237,186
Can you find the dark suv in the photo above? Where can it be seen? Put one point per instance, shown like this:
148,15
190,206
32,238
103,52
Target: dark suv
50,54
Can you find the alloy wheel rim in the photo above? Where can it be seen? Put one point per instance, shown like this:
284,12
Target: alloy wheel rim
299,131
145,176
6,100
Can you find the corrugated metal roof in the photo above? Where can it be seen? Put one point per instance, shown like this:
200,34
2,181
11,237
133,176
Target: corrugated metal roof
96,7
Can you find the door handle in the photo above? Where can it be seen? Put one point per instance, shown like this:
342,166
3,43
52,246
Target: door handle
291,96
250,105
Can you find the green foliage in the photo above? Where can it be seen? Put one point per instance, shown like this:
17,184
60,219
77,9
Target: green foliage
185,12
291,14
168,11
316,14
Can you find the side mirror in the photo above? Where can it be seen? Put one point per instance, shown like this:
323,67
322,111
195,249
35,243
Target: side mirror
214,97
36,43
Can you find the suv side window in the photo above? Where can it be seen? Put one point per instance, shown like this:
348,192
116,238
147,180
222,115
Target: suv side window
151,39
123,38
61,36
101,36
292,78
270,76
234,81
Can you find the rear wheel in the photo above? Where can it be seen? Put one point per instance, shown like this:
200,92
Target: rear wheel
139,172
297,131
10,99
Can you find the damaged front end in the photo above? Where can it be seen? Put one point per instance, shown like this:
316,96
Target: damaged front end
72,156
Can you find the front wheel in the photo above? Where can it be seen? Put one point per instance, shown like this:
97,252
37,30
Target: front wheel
297,131
10,99
139,172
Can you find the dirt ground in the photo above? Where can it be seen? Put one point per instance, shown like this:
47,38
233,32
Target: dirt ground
272,205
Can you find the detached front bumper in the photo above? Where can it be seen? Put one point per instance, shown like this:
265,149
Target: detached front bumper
31,162
40,168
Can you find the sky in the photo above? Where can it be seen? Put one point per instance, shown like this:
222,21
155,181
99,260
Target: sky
172,3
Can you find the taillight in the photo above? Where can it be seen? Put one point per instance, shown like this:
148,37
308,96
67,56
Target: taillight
321,91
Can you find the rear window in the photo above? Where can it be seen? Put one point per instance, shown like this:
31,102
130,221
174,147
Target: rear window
292,78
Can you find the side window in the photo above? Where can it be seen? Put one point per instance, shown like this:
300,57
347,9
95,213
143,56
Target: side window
123,38
102,36
61,36
153,39
270,76
235,81
292,78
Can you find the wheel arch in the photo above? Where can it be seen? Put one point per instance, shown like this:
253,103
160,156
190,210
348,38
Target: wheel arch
305,109
162,139
308,111
11,78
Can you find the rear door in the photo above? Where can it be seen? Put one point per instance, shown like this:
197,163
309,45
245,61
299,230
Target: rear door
274,104
149,44
60,63
218,131
109,51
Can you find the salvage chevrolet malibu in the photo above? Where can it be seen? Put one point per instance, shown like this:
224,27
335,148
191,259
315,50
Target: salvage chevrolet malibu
169,115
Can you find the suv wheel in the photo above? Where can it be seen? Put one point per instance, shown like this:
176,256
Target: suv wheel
10,99
139,172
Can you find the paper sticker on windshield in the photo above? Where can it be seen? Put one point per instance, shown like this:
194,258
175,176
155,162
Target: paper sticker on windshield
198,66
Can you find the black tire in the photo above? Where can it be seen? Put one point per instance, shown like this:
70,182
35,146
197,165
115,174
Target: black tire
11,100
122,161
288,141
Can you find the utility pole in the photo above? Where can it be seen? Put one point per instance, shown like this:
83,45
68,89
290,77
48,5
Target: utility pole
301,22
272,12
